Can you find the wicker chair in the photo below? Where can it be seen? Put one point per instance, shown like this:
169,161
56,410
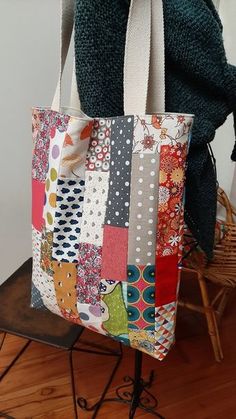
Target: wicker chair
221,271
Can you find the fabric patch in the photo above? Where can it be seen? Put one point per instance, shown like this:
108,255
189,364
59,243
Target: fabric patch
36,298
144,340
68,216
46,124
91,317
124,286
106,286
181,234
51,181
141,297
166,279
171,188
37,273
37,120
95,198
75,147
38,191
41,141
164,329
64,276
114,314
88,273
46,251
98,155
117,213
49,296
114,253
143,209
152,131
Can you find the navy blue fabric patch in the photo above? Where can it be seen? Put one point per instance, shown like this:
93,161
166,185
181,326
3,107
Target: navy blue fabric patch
70,197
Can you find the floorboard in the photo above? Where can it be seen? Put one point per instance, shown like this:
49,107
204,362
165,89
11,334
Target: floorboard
189,384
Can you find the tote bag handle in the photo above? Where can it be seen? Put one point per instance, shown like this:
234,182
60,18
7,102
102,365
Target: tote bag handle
144,67
144,90
66,29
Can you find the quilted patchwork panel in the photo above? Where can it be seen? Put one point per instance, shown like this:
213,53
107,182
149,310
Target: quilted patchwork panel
108,223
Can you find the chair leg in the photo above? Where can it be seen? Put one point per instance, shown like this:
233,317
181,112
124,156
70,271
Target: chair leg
73,382
223,301
2,341
211,320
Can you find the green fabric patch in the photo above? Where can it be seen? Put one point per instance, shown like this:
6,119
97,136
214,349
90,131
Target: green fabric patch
117,323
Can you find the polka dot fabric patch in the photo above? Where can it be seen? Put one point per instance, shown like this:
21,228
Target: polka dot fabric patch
68,215
108,223
91,317
51,181
94,210
117,213
143,209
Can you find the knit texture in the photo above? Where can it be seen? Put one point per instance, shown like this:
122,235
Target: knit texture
198,80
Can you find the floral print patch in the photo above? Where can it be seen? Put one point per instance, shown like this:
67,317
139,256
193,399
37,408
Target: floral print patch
45,123
171,188
98,156
152,131
88,273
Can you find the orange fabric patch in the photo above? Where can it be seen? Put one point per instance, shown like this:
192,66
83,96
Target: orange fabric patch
64,276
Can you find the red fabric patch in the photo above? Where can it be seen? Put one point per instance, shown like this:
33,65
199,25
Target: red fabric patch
166,279
38,192
115,253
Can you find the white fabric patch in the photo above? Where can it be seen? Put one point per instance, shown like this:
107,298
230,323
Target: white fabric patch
75,149
95,198
48,294
51,180
37,274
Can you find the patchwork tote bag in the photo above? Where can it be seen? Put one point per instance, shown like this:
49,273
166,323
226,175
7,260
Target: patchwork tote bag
108,199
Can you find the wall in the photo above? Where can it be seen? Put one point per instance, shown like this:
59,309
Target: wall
29,45
224,140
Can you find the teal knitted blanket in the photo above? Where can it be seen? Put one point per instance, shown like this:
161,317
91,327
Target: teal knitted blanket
198,80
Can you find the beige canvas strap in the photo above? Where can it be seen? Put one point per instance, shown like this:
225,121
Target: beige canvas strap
137,57
67,23
144,84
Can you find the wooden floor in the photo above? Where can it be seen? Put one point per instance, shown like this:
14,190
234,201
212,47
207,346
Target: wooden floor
189,383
